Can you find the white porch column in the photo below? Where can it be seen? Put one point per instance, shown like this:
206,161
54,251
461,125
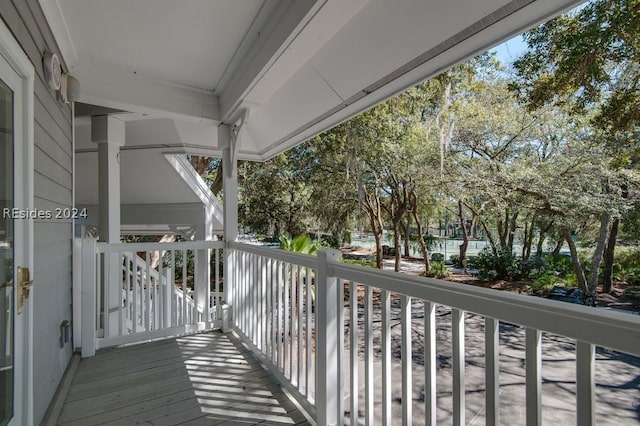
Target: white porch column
202,281
228,142
109,134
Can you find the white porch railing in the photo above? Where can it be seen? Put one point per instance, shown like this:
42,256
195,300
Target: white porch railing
302,336
126,299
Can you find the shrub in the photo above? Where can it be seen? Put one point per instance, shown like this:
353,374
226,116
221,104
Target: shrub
541,285
455,259
361,262
472,261
501,266
437,257
632,293
329,241
438,270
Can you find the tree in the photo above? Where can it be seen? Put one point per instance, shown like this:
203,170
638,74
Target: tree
284,211
589,60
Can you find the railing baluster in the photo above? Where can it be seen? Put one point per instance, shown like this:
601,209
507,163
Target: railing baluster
245,297
184,287
492,370
341,349
121,303
585,384
285,354
216,285
273,285
407,363
174,301
457,328
300,329
263,303
308,313
133,272
127,271
196,297
368,353
430,408
127,282
147,300
279,359
254,299
533,366
293,334
106,323
353,355
161,293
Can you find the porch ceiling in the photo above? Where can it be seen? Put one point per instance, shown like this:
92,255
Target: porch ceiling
297,66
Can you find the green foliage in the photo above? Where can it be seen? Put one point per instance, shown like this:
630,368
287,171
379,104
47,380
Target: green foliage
632,293
300,244
588,58
360,262
437,257
438,270
626,266
329,241
501,266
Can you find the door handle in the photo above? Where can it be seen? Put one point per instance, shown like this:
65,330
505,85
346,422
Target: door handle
24,285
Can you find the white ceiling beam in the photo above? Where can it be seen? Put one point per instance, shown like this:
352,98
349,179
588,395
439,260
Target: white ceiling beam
286,21
129,92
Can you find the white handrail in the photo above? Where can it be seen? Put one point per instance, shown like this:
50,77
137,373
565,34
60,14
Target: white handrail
614,330
139,247
272,289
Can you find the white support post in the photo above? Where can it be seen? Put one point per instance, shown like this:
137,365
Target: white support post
202,281
328,389
88,293
228,142
109,133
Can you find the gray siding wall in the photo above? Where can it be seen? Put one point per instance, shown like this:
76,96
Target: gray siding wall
53,189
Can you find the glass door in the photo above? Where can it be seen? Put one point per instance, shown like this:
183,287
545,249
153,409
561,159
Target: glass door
7,264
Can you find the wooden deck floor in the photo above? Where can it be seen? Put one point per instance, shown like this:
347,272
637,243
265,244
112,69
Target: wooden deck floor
204,379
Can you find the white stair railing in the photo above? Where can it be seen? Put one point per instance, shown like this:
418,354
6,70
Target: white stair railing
126,300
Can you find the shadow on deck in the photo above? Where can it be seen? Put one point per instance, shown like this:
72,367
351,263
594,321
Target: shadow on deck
203,379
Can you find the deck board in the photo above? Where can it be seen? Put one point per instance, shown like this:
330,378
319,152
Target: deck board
204,379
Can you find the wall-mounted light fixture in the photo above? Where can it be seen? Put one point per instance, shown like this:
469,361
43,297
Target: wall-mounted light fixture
67,86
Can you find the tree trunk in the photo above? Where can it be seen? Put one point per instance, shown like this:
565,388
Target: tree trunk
377,234
413,210
396,243
513,224
596,259
556,250
528,237
607,279
465,236
577,266
502,227
406,227
542,238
